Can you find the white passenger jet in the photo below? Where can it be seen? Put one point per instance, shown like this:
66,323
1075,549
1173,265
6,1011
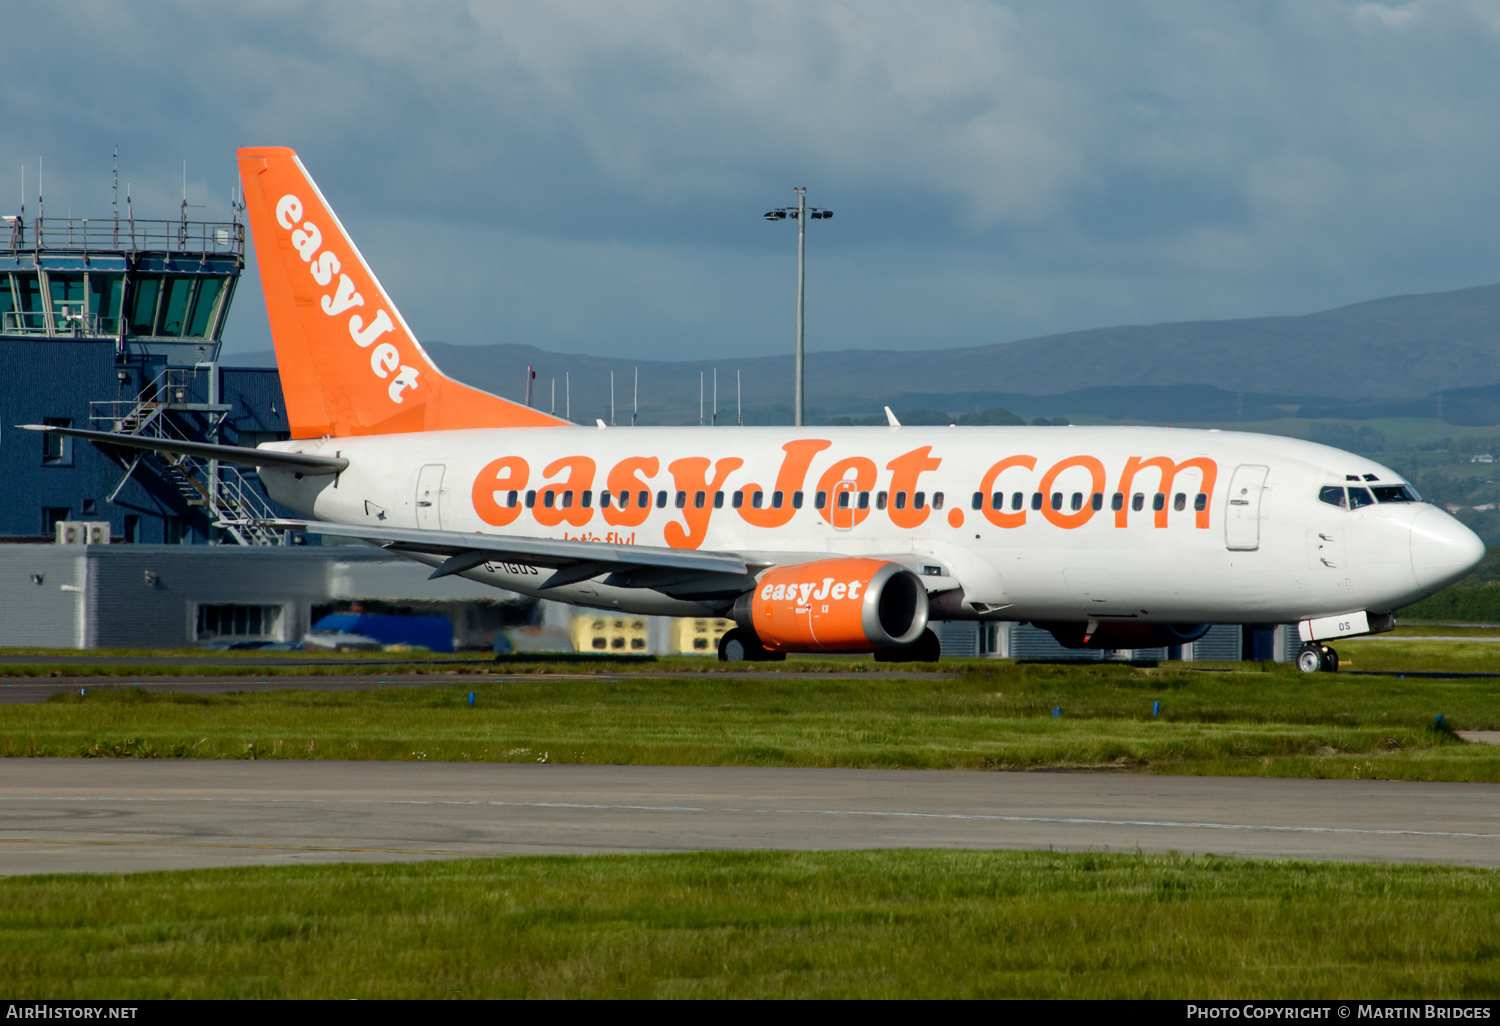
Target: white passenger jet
810,539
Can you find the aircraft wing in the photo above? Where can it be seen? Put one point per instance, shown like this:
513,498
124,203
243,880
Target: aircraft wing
571,561
294,461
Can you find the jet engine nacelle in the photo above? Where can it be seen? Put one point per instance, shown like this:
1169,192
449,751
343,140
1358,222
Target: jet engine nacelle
835,605
1125,635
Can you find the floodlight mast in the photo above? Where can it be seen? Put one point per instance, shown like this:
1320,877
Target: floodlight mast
800,214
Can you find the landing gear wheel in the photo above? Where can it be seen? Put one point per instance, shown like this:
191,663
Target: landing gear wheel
739,645
1310,659
926,649
1330,659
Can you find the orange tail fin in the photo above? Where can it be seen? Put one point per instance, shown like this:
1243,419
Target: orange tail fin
349,364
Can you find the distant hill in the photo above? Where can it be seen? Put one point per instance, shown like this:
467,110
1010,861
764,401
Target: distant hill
1386,357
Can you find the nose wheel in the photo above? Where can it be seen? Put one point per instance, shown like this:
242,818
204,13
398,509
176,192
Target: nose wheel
1315,658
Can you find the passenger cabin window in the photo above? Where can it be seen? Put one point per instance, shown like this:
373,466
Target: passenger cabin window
1096,501
643,499
1117,501
880,498
739,499
1036,500
1179,502
1200,502
1018,500
820,500
796,500
1159,501
1138,501
661,500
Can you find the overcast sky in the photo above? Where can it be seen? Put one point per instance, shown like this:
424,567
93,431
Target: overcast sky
590,177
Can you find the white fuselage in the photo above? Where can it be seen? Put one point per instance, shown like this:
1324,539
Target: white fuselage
1270,552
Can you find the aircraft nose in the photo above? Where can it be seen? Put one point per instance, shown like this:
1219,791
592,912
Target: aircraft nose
1442,549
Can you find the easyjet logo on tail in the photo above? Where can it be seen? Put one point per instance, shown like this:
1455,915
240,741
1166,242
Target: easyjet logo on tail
323,264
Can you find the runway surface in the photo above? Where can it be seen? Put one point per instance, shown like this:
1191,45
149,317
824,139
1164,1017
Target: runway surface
68,815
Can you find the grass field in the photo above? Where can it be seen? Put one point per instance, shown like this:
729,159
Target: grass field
999,715
820,924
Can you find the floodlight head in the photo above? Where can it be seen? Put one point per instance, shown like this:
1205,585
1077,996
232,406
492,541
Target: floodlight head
771,215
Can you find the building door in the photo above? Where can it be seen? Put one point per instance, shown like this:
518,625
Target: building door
1242,520
429,497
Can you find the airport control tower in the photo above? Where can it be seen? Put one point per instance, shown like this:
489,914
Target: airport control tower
115,324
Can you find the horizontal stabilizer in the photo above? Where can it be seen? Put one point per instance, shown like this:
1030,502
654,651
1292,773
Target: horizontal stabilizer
294,461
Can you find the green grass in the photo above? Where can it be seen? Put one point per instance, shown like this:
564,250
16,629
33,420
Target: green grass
761,924
997,715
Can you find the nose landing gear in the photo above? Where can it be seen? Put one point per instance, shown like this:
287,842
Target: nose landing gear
1316,658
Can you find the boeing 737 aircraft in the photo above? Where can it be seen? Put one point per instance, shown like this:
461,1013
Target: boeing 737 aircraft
810,539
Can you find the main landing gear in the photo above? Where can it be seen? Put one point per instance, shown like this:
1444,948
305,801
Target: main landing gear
1315,658
739,645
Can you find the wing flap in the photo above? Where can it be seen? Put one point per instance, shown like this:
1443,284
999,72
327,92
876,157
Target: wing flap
465,551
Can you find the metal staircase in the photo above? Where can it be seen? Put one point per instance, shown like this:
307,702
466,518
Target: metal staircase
227,492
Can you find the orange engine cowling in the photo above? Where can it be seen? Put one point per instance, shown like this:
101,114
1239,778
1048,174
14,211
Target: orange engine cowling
835,605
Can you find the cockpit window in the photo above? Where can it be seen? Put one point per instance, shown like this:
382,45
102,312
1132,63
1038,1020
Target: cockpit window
1360,497
1395,493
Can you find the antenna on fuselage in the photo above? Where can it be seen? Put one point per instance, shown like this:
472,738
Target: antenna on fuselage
635,408
611,398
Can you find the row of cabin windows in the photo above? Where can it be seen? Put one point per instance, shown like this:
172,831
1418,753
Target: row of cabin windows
1095,501
552,498
170,306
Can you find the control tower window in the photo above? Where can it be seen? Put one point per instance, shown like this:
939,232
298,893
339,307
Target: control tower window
105,291
1360,497
174,306
1333,495
28,315
8,322
203,307
143,294
69,310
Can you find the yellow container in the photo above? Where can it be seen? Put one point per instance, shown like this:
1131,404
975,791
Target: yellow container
693,635
609,635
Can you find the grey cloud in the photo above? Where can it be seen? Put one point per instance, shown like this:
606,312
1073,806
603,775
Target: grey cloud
589,176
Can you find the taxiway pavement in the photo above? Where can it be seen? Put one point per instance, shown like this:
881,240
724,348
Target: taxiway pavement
72,815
